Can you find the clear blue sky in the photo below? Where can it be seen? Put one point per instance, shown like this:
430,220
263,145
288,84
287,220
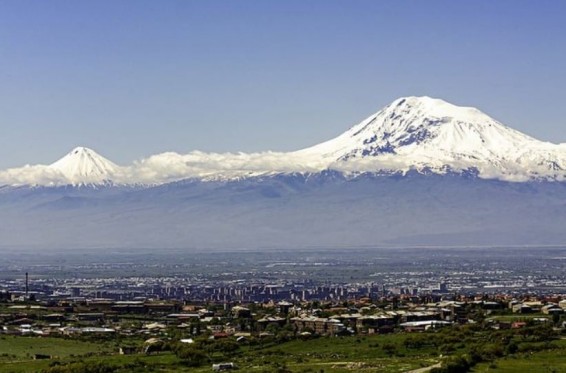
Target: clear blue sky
134,78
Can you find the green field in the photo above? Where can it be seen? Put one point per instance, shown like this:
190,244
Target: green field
539,362
23,348
16,353
391,353
385,353
346,354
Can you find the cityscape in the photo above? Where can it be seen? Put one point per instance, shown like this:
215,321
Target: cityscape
282,186
247,277
268,297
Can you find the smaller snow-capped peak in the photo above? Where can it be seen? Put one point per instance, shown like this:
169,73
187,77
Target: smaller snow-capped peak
84,166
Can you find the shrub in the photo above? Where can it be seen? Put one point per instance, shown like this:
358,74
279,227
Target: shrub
85,367
191,356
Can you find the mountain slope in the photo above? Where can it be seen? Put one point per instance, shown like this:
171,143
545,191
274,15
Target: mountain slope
423,133
287,211
84,166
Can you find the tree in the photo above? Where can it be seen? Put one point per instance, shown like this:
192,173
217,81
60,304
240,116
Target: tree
413,342
226,346
191,356
511,348
556,318
389,349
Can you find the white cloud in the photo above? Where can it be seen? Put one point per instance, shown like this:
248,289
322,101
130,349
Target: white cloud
32,175
173,166
169,167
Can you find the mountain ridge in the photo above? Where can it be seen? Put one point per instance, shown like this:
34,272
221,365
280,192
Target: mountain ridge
286,211
420,134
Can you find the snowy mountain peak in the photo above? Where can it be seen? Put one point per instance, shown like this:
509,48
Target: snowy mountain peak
411,123
434,106
84,166
427,133
421,134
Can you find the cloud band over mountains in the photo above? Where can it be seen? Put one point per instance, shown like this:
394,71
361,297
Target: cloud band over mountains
412,133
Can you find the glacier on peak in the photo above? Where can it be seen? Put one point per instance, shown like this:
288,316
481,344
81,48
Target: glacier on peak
420,134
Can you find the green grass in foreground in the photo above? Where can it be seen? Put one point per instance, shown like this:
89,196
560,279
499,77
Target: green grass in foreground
328,354
23,348
540,362
392,353
378,353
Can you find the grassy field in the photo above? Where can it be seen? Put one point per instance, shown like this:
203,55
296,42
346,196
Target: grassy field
23,348
337,355
16,353
538,362
521,317
154,363
384,353
377,353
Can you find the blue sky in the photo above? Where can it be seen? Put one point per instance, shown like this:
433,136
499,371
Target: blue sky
134,78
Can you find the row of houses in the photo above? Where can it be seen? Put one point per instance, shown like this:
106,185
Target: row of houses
538,307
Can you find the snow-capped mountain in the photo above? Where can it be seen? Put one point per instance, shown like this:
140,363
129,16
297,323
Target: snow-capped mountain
419,134
80,167
393,179
423,133
84,166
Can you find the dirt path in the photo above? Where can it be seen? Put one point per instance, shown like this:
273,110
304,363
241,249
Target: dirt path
425,369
